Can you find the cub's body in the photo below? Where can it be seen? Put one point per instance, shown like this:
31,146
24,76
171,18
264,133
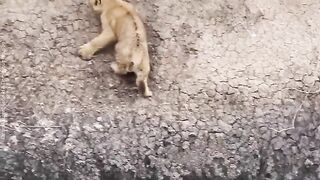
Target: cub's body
121,24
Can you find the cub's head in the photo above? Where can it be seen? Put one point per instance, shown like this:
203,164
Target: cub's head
96,5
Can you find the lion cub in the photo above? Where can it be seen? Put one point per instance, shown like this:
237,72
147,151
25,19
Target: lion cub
121,24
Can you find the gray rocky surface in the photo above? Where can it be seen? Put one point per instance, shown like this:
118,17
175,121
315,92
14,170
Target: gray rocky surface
230,79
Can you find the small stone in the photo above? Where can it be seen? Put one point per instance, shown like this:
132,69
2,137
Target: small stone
2,56
29,30
185,135
304,141
318,133
185,145
201,125
177,138
160,150
224,126
294,150
99,119
277,143
308,162
13,140
222,88
75,25
163,125
69,29
264,90
21,34
30,54
67,110
171,129
309,80
185,125
141,112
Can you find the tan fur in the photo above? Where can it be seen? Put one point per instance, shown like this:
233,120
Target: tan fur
121,24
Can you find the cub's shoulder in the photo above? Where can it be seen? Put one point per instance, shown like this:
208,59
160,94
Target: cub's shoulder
129,7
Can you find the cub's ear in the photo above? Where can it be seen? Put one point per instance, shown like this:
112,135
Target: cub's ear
97,2
131,65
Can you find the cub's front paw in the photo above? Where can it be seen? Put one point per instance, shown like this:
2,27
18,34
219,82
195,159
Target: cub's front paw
86,51
117,69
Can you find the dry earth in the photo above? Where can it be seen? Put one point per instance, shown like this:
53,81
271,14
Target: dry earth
235,82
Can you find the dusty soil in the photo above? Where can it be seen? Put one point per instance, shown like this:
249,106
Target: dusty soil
236,93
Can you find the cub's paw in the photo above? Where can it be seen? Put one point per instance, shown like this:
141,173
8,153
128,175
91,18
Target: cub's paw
147,93
114,67
86,51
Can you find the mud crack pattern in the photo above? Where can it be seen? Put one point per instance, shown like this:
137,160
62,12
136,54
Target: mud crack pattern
236,93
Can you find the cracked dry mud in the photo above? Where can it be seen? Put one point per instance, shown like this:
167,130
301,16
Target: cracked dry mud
229,80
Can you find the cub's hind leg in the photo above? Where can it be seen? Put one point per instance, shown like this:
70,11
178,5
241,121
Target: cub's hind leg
142,83
122,65
107,36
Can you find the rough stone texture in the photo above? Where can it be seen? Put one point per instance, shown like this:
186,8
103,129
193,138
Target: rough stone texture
229,80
